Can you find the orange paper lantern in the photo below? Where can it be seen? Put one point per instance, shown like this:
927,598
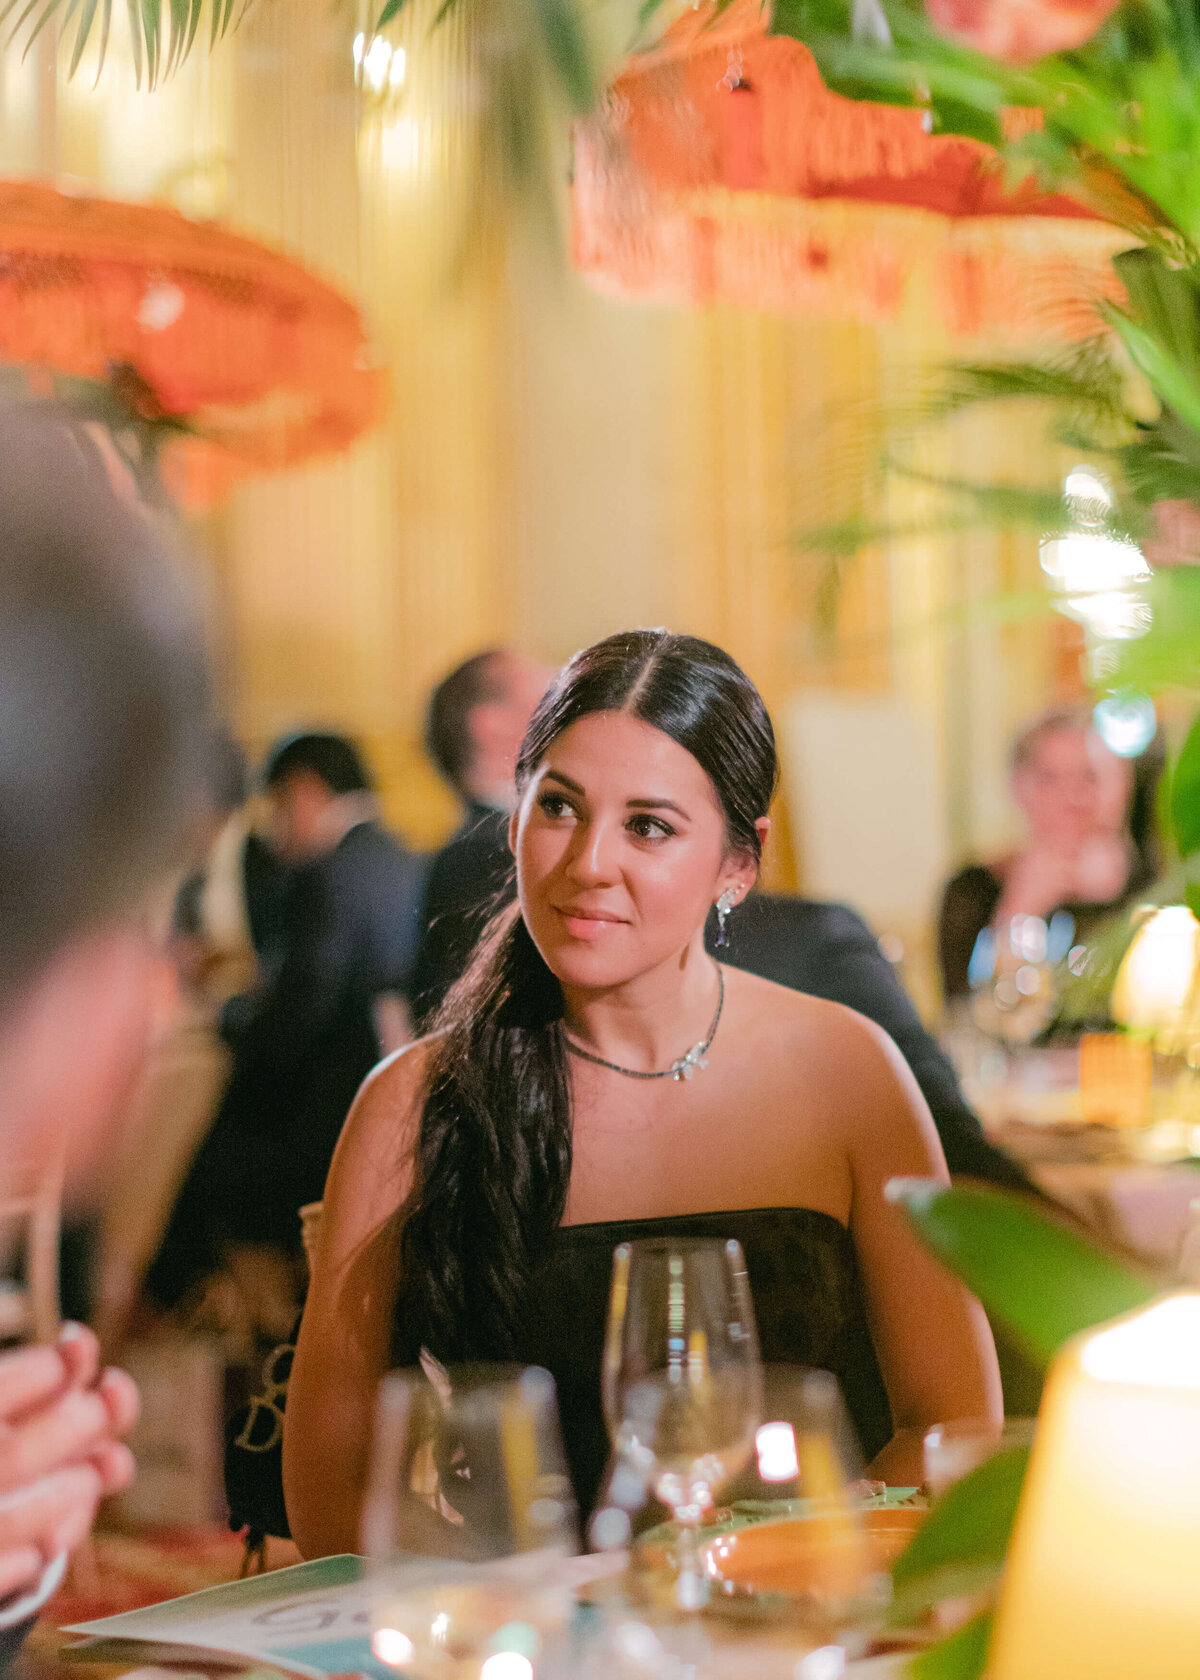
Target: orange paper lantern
269,365
721,169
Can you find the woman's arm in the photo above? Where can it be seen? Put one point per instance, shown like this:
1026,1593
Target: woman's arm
346,1335
935,1349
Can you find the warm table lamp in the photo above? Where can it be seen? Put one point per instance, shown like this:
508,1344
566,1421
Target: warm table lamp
1103,1577
1157,975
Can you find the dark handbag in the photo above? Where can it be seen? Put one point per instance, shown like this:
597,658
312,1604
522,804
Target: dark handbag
254,1454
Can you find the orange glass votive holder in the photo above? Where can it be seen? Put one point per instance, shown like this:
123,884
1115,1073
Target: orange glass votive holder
1115,1074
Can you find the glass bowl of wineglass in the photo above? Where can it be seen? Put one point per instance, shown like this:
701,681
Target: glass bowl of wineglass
682,1381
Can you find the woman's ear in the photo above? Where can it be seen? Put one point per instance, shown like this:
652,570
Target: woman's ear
763,829
513,824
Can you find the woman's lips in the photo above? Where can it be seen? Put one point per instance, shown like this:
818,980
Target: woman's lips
586,924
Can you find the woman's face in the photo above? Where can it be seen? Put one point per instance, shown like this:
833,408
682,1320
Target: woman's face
621,851
1073,789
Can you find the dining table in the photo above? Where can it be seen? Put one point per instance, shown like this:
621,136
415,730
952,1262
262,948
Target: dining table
1135,1183
122,1570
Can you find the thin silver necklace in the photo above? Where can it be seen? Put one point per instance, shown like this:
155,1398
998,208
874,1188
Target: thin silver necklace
688,1065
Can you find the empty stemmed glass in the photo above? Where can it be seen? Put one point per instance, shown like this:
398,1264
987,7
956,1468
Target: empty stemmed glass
682,1380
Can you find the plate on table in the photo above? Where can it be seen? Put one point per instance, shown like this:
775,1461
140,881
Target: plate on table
812,1556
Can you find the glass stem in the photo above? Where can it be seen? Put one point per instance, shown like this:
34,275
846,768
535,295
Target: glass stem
691,1584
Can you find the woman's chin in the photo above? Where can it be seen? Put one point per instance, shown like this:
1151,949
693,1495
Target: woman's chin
590,969
591,963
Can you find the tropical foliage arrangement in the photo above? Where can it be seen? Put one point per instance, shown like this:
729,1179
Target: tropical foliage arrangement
1116,93
1109,104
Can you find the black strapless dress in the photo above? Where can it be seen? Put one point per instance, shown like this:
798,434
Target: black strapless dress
808,1302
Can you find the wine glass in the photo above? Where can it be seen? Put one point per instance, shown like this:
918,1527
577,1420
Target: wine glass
467,1465
682,1379
825,1537
1011,980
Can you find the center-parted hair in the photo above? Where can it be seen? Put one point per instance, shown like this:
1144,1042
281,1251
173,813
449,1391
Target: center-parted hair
493,1160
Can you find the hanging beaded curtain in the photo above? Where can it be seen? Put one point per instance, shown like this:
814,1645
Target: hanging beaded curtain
721,169
264,363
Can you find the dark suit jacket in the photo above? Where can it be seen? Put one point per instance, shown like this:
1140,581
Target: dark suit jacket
348,931
824,949
469,879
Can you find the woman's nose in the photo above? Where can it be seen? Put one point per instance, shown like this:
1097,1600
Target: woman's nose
593,857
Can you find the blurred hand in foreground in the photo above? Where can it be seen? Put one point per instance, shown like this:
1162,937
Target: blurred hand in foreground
61,1419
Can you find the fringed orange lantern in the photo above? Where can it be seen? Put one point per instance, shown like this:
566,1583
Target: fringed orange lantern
1017,31
721,169
264,364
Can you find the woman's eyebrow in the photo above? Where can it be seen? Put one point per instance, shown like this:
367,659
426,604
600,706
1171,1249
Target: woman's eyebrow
567,782
656,805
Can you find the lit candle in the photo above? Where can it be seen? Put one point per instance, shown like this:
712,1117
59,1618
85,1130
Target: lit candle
1103,1577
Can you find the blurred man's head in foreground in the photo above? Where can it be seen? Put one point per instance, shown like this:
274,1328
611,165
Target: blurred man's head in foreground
309,779
477,719
103,727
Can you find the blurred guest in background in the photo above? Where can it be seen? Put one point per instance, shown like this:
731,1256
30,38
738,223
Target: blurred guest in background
1079,858
823,949
307,1036
228,908
102,718
477,717
226,915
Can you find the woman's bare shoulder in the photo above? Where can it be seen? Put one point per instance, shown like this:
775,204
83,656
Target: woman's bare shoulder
790,1015
380,1133
399,1078
847,1057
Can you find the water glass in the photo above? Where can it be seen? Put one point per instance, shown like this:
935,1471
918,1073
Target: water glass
1012,976
469,1520
682,1380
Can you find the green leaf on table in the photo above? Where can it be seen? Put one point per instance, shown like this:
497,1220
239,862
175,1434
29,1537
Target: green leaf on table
1185,795
1042,1279
961,1657
959,1549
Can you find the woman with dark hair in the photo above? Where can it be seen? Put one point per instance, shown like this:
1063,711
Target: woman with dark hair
596,1076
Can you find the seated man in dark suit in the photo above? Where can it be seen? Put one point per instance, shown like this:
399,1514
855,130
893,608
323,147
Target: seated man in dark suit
476,720
307,1038
824,949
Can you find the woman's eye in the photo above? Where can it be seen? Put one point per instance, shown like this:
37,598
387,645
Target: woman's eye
554,805
650,828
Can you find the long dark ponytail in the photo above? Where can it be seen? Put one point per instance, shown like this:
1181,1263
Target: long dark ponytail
493,1158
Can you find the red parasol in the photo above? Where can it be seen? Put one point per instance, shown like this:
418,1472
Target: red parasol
723,169
266,364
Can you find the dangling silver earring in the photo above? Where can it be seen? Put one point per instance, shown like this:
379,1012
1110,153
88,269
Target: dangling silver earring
725,904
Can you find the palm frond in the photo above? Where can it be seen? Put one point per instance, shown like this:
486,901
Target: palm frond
1083,385
966,506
